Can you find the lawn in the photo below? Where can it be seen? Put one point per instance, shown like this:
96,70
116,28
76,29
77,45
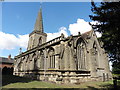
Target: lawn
20,82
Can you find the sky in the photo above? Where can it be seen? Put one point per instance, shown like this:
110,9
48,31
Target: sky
18,19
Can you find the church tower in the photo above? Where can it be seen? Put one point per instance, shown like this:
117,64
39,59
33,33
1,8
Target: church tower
37,37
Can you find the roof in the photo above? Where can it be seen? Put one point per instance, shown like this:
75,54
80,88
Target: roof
6,60
86,34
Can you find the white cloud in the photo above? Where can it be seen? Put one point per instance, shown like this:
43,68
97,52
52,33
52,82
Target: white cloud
98,34
110,65
82,26
23,40
10,41
94,22
51,36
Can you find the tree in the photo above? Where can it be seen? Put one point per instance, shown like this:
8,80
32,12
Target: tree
108,16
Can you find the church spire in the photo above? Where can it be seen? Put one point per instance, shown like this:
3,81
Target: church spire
39,22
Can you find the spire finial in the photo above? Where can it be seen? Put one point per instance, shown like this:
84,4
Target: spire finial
40,6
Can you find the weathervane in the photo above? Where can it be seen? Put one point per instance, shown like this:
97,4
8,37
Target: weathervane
41,4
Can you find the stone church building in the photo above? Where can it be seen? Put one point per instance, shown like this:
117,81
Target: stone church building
74,59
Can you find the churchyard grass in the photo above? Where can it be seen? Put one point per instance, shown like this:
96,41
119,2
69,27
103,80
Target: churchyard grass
20,82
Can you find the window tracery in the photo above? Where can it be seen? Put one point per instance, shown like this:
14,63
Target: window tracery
51,58
81,56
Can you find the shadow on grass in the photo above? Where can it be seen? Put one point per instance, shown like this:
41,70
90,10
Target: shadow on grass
91,88
104,87
110,87
8,79
107,86
46,89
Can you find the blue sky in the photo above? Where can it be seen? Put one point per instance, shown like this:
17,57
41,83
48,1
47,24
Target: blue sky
18,19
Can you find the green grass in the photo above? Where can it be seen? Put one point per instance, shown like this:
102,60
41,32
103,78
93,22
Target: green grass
20,82
33,84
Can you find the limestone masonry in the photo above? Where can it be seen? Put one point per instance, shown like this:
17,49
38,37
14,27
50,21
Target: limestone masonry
74,59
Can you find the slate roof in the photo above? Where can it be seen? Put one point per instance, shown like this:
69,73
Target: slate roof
5,60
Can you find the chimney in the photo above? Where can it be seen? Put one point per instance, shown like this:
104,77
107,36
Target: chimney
9,57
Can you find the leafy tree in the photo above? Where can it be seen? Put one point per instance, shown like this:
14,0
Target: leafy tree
108,16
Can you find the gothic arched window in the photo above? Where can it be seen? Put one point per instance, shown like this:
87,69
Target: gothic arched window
41,60
51,58
95,53
81,56
21,66
35,64
94,48
40,41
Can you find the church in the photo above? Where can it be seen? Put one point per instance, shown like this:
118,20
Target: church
72,59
